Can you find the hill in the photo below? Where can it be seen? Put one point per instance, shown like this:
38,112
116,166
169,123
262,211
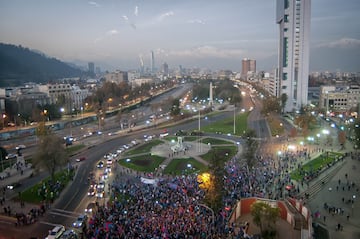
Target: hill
19,65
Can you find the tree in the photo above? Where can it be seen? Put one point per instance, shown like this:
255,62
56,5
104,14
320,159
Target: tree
3,153
265,216
51,154
357,133
283,99
214,195
250,147
342,138
304,121
270,105
175,109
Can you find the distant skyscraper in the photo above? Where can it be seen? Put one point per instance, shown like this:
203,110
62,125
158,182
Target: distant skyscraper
247,65
293,17
152,62
91,66
165,69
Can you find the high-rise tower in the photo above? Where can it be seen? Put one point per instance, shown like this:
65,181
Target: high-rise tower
246,66
293,17
152,62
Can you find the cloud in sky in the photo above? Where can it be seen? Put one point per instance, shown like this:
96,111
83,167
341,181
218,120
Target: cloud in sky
341,43
94,3
196,21
108,34
226,35
162,16
207,51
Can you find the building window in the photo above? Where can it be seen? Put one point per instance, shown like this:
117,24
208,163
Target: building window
286,4
286,18
285,76
285,52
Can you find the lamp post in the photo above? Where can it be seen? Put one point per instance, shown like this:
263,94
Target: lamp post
234,119
3,119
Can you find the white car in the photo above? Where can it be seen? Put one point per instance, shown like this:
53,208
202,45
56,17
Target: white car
100,193
56,232
100,185
80,221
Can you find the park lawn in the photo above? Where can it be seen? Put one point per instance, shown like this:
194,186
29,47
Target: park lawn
275,125
31,195
226,126
215,141
180,166
144,148
71,150
143,163
185,138
224,152
315,164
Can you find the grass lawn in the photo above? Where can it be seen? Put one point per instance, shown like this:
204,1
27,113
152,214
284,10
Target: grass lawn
42,190
225,153
227,126
185,138
214,141
144,148
180,166
275,126
74,148
315,165
143,163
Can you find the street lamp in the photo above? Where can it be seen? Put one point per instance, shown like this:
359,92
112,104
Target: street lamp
234,118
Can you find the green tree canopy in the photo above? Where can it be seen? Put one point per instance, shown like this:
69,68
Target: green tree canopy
250,147
265,216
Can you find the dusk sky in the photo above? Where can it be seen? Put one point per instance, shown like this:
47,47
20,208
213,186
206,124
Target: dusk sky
214,34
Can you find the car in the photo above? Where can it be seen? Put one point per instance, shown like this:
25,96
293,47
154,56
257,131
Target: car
90,207
105,175
91,191
20,146
100,164
100,185
13,185
69,234
109,161
11,156
100,193
80,159
108,169
80,221
56,232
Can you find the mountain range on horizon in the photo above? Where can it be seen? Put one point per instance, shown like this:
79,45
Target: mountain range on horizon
19,65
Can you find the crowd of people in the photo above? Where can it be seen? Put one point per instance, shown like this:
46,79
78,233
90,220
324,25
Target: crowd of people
169,209
172,207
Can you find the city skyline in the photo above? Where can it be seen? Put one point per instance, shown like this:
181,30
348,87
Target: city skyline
211,34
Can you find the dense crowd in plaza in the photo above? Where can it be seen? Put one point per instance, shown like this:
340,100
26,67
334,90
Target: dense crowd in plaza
171,207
